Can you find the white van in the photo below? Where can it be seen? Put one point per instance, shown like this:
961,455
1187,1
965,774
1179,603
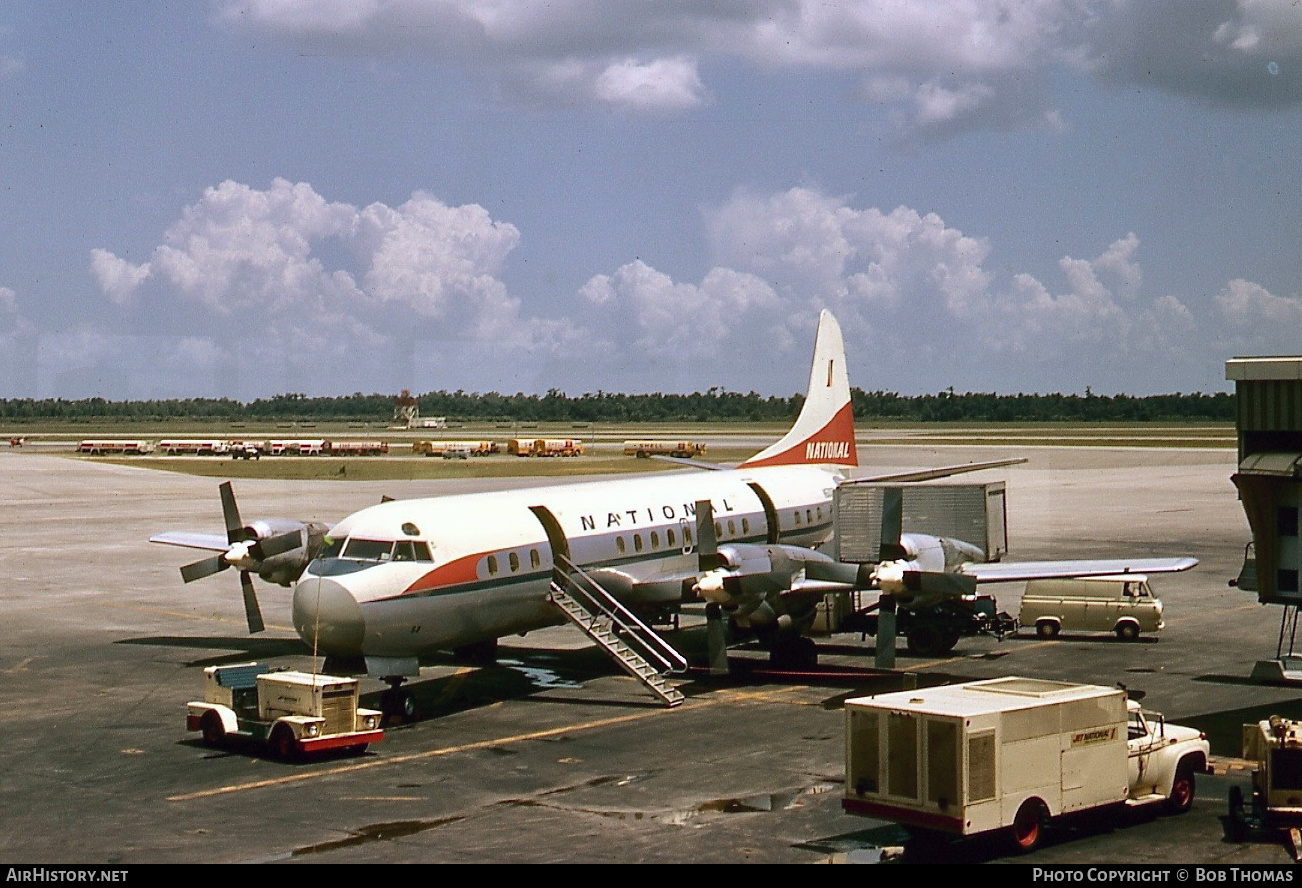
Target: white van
1123,604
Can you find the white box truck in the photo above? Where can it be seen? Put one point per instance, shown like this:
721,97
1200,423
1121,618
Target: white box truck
1011,754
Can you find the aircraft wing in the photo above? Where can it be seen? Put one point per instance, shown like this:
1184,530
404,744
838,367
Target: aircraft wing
943,471
213,542
1008,572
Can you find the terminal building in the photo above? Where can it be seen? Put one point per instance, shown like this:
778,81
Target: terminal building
1268,398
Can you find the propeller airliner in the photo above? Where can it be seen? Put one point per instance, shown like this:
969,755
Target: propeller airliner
404,579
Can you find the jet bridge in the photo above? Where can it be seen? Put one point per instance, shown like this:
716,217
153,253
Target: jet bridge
1268,402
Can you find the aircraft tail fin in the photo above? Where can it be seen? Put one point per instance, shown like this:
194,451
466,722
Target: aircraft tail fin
824,430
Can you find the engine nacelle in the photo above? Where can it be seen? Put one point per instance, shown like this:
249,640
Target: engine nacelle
285,566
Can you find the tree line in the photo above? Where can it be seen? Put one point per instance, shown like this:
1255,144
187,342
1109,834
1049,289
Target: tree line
714,405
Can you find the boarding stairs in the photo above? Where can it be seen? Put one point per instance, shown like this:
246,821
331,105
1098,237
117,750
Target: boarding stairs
635,646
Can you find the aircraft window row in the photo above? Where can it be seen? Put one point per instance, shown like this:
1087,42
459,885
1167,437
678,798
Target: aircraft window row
640,543
379,550
513,562
809,515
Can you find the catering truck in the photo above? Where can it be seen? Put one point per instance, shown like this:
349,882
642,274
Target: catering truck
1010,754
293,713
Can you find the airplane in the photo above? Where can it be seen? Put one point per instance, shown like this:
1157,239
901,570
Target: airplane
406,579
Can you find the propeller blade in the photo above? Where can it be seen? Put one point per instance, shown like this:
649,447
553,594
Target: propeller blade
236,532
205,568
274,545
935,585
892,525
707,543
252,613
859,576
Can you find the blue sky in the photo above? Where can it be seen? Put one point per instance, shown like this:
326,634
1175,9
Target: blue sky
246,198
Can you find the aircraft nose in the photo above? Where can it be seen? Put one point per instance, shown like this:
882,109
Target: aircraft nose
328,617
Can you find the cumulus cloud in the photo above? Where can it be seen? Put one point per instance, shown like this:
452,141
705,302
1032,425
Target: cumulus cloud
917,298
283,277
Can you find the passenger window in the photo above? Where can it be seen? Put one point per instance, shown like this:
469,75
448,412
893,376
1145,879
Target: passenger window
809,516
492,564
637,542
655,540
619,545
718,530
534,560
797,514
745,525
670,538
514,560
687,536
732,528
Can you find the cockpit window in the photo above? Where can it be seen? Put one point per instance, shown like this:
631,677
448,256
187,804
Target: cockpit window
369,550
332,548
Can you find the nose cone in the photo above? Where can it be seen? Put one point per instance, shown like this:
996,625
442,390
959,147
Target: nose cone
327,616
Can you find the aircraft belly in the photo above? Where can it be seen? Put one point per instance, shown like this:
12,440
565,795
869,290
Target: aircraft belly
411,625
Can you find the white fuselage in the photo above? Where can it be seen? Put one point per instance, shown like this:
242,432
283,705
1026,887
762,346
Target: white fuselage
409,577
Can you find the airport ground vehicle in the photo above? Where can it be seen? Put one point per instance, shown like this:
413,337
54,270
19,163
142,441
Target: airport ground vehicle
247,449
356,448
644,449
1274,745
115,446
545,447
439,448
193,446
1010,754
1123,604
293,713
935,628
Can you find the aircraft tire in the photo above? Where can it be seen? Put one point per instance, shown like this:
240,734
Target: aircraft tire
926,640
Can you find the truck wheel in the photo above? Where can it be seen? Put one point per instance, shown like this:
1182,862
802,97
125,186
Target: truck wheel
1046,629
1127,631
1236,826
214,732
1182,790
283,745
1028,826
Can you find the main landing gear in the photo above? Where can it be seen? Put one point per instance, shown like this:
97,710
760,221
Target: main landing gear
398,703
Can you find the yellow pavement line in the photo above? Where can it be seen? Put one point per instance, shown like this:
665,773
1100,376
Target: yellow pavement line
432,753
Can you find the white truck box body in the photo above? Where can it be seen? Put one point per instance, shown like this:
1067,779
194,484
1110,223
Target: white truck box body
963,758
